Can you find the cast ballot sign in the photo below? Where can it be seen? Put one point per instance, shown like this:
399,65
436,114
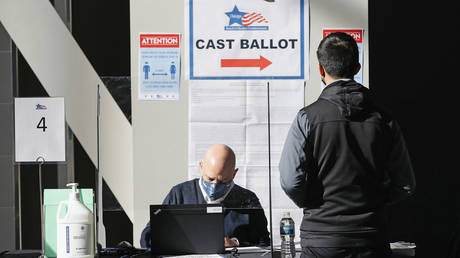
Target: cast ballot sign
159,66
39,129
243,39
357,34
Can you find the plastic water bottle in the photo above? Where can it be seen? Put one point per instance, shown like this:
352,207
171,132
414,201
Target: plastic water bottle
287,232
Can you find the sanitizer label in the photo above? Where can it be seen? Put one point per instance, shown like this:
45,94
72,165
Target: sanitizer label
77,239
67,240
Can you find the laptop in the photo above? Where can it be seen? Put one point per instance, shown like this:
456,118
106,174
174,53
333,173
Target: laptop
187,229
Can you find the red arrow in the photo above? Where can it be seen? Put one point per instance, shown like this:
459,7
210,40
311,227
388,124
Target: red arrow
261,63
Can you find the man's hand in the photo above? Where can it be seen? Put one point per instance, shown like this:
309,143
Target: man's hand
230,242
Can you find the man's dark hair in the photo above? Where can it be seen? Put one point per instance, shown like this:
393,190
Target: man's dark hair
338,54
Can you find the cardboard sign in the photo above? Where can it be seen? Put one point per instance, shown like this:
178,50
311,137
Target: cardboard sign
39,129
242,39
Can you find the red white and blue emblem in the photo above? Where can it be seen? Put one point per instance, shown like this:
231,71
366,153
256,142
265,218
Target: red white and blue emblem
40,107
245,20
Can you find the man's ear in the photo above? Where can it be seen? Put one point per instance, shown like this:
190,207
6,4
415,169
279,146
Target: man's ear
322,72
358,68
201,166
234,172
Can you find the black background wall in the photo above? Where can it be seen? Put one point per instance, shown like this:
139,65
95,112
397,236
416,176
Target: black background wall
101,29
413,71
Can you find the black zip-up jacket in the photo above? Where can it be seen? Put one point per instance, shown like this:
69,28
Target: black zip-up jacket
342,161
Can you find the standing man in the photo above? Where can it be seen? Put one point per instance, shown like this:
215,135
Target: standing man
343,160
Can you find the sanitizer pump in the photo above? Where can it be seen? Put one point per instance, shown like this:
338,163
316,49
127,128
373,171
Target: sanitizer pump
75,230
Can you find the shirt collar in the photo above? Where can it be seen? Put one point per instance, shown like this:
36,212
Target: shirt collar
341,79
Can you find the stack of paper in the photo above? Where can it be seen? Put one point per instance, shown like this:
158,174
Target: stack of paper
403,248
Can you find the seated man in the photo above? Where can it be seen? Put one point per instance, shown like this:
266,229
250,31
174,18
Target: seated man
243,227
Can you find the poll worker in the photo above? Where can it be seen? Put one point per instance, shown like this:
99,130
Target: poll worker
243,227
343,160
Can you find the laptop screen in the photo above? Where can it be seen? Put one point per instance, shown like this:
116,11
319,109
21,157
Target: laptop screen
187,229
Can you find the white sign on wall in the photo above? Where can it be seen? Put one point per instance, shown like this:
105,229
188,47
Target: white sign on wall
247,39
159,66
39,129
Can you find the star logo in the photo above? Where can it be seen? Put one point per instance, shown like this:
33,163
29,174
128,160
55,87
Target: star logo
40,107
235,16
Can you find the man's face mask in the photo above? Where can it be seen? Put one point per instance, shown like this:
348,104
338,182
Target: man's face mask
216,191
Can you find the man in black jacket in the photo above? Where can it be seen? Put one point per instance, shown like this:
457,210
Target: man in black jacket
343,160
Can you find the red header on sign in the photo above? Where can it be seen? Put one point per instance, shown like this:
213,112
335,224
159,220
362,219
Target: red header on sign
159,40
356,34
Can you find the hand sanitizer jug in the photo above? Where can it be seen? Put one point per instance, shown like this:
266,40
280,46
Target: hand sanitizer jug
75,229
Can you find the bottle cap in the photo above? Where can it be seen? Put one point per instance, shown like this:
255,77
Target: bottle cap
73,193
286,214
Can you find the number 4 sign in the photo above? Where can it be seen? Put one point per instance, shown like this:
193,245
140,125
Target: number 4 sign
39,129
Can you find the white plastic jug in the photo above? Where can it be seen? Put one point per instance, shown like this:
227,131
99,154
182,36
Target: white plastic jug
75,231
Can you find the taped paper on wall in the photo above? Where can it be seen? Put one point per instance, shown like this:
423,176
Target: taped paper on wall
159,66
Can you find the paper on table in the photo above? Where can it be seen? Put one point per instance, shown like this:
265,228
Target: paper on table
403,248
250,249
196,256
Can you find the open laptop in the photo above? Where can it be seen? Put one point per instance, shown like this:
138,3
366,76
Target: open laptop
187,229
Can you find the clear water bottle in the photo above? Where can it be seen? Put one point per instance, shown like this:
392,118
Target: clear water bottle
287,232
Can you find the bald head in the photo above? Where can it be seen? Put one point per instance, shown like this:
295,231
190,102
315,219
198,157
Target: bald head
218,165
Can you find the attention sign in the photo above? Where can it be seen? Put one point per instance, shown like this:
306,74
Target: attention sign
159,66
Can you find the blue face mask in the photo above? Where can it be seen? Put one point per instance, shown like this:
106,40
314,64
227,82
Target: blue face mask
216,191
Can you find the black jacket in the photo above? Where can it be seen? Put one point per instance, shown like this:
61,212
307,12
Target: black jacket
343,160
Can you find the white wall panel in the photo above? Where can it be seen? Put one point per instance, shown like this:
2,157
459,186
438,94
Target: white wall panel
334,14
159,127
